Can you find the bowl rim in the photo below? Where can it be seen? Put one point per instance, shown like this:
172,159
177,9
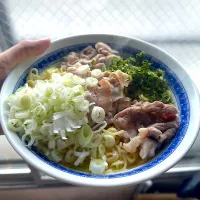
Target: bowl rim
100,182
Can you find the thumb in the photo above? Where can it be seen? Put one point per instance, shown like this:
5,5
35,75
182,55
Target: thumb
23,51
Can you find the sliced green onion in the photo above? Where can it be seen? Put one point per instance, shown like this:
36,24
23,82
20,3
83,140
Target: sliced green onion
83,106
30,125
46,129
52,144
93,152
84,69
70,157
81,157
92,82
97,73
109,141
101,149
40,111
60,144
98,114
97,166
15,125
25,101
85,135
22,114
79,81
56,156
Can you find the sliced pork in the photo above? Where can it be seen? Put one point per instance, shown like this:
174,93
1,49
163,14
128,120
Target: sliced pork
101,95
104,48
97,57
160,131
133,144
148,148
109,95
125,137
88,53
150,132
131,118
156,107
147,126
144,113
121,104
71,59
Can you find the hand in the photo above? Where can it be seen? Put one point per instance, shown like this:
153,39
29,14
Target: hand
18,53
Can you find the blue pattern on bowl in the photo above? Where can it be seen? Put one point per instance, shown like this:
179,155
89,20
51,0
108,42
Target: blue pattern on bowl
174,83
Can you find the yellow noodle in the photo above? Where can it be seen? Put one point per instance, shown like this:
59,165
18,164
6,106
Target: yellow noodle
131,158
117,147
112,129
101,150
112,156
93,152
119,165
113,133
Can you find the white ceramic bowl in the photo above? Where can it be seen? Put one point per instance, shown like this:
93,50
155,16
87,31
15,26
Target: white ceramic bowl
185,92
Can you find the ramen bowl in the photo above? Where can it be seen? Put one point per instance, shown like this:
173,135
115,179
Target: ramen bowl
183,89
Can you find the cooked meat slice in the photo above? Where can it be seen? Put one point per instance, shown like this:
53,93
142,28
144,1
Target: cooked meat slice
102,60
101,95
123,78
148,148
169,109
103,48
102,56
168,134
117,82
71,59
88,53
137,103
116,88
156,106
72,70
85,61
133,132
110,91
159,107
164,126
106,74
133,144
97,57
160,131
124,137
144,113
109,118
121,104
107,60
131,117
99,66
117,92
149,132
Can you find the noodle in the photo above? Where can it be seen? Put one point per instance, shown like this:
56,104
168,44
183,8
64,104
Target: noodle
112,156
113,132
